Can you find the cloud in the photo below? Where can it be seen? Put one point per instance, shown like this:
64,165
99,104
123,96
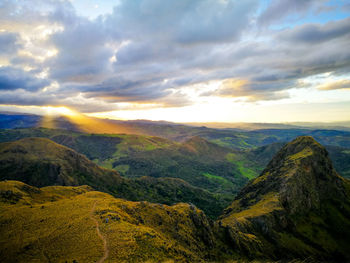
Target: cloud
282,9
338,84
83,52
316,33
13,79
251,92
23,97
9,43
153,51
183,21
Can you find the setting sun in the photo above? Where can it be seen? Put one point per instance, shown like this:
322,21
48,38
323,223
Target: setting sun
59,111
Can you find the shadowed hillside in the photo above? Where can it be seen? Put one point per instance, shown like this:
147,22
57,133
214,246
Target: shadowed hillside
196,161
41,162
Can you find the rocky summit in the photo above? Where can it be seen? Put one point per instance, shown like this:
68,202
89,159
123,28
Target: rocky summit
297,208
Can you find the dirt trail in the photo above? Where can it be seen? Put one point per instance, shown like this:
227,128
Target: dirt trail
105,247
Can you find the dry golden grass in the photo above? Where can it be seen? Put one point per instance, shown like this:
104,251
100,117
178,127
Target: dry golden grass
54,224
55,231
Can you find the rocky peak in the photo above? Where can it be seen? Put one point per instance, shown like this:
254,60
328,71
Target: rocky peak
301,174
298,201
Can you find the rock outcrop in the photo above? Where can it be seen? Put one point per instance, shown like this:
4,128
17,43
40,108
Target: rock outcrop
297,208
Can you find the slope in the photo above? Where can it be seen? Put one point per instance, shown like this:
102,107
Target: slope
260,157
196,160
298,207
59,224
41,162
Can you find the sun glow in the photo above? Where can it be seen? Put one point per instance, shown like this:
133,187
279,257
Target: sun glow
81,121
59,111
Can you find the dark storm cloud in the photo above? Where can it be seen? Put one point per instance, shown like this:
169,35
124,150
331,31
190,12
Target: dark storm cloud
13,79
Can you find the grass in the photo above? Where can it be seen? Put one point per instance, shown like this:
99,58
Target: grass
307,151
123,168
48,231
267,204
261,178
134,143
53,224
294,244
244,166
221,180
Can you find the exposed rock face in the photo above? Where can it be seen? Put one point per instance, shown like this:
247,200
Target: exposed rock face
297,207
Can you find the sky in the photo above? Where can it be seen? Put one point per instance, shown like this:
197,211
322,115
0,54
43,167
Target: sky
182,61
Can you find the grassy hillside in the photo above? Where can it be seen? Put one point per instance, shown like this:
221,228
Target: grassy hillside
196,161
59,224
42,162
136,156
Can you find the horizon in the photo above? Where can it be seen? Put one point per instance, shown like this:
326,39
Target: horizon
81,119
267,61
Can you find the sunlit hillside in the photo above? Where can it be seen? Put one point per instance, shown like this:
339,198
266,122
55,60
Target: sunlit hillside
58,224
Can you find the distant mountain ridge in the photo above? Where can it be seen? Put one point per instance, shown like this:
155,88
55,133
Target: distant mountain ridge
237,139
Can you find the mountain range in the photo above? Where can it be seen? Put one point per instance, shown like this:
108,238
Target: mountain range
298,208
212,195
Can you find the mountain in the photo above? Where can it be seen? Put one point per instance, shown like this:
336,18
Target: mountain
261,156
299,207
42,162
197,161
